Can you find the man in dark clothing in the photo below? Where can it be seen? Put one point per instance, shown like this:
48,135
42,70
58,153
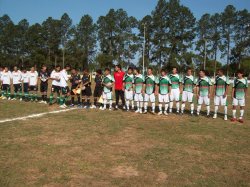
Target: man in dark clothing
75,85
44,77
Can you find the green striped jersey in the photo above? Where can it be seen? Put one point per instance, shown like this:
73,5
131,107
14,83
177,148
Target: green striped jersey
107,79
176,80
163,83
138,83
128,80
150,84
188,83
240,85
221,84
204,85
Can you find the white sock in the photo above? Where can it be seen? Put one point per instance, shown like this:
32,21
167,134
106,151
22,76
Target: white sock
225,110
138,105
241,113
132,103
160,107
127,103
110,103
192,108
171,106
208,109
216,109
153,106
166,106
234,113
145,106
178,106
141,105
182,107
198,108
104,103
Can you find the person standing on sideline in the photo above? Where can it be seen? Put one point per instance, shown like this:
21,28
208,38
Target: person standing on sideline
119,90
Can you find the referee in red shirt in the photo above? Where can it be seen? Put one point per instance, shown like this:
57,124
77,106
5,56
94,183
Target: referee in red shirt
119,91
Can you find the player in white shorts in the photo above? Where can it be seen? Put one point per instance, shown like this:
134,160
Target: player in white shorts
175,91
239,94
138,86
188,85
6,78
220,93
108,83
128,87
204,86
163,89
33,82
150,81
16,80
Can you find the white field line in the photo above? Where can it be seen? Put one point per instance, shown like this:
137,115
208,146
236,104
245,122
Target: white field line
35,115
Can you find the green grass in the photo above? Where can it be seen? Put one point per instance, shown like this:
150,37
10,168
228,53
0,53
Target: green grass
96,148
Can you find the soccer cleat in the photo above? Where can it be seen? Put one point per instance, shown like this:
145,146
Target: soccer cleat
14,99
9,98
215,116
3,98
165,113
137,111
110,109
145,112
62,106
233,120
40,102
198,113
241,120
141,111
160,113
36,100
20,99
124,107
72,105
116,107
225,117
103,108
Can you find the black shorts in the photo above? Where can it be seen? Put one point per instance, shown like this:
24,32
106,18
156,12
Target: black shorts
43,87
98,92
65,90
25,87
17,87
5,87
32,88
55,89
87,92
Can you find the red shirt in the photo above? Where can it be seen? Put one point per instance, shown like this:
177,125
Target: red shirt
118,76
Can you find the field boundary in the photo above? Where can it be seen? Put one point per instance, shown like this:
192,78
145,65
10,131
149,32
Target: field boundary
35,115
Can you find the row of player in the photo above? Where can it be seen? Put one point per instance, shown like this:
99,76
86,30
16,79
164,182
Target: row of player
137,88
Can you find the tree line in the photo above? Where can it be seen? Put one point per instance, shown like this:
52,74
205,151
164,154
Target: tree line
170,35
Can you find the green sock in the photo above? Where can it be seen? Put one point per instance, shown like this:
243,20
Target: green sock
15,95
2,92
8,94
51,98
35,96
26,95
65,99
58,100
61,100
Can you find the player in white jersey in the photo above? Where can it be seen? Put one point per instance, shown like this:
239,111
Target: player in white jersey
55,87
25,81
6,78
128,87
175,91
16,79
188,85
138,86
65,92
33,81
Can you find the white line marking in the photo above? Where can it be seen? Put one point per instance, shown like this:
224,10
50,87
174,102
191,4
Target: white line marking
35,115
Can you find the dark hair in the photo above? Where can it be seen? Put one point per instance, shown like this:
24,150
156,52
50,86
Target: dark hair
163,70
107,69
86,69
67,66
240,71
203,71
174,67
137,69
189,69
99,71
58,66
130,68
221,70
44,66
150,68
119,66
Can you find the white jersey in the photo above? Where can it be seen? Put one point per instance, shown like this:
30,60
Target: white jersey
6,77
55,75
16,77
63,78
33,77
25,77
1,74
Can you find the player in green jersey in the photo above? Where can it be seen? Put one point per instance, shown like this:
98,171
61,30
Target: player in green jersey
220,93
138,85
204,86
128,87
239,94
107,82
188,91
150,80
175,92
163,89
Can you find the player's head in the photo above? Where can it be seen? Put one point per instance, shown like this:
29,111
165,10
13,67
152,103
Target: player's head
73,71
118,67
240,73
24,69
220,72
174,70
15,68
130,70
32,69
189,71
85,71
6,69
67,67
58,68
107,71
150,71
202,73
136,71
99,72
44,68
163,72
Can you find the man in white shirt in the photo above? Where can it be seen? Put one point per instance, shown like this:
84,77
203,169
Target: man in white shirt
33,77
65,93
16,79
6,80
55,88
25,81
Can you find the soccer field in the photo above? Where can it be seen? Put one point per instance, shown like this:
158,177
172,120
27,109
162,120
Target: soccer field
115,148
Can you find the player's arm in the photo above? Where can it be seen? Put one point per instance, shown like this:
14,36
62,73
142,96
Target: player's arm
210,90
197,91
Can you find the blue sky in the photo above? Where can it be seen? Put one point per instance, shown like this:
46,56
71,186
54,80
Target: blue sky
38,10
